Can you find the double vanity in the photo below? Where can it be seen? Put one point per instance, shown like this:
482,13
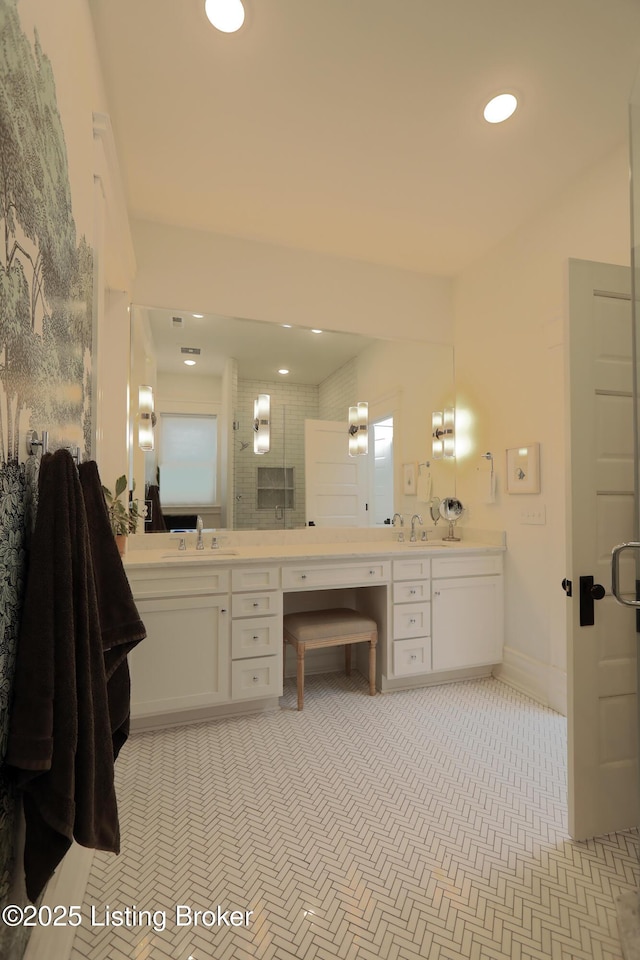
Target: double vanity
214,616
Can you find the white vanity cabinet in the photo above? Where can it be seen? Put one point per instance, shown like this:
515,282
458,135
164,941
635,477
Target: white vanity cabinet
183,663
467,611
256,632
214,627
411,617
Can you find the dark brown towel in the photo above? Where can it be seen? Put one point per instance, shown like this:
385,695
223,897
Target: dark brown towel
156,522
60,736
120,625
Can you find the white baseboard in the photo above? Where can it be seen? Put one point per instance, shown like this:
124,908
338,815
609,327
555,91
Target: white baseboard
66,888
540,681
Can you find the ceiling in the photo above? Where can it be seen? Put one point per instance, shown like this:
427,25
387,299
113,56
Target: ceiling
354,127
260,349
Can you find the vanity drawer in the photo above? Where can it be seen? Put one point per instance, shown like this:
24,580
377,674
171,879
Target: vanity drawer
256,604
257,677
411,568
257,637
255,578
167,581
468,566
337,575
411,656
411,620
411,591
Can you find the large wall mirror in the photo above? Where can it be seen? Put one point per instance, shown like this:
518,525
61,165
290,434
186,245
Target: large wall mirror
204,374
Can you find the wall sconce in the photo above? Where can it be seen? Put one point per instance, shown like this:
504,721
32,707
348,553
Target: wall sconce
359,429
261,423
146,417
443,444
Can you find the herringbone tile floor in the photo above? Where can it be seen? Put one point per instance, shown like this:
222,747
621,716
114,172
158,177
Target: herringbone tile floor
429,824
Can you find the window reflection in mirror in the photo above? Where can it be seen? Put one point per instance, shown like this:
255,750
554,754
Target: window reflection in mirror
237,359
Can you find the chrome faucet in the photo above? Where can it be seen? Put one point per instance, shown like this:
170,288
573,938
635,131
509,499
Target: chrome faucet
415,517
199,529
400,518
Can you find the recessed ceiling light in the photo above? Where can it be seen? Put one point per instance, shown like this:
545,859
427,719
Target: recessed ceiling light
316,331
283,371
198,316
225,15
190,363
500,108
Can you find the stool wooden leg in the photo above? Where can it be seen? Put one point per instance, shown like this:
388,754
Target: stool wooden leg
372,668
347,659
300,676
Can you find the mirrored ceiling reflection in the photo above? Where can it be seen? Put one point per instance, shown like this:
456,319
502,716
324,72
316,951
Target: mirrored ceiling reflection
260,349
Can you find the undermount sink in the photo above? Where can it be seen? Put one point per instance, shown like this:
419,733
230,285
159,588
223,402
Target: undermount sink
197,554
423,543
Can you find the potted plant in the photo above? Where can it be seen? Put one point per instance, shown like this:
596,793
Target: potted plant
123,516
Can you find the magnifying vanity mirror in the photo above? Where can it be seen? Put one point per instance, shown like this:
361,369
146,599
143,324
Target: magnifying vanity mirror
450,509
203,456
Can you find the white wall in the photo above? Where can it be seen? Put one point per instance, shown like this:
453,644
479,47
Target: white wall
208,273
510,310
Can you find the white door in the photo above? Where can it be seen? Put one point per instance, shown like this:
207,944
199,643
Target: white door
335,483
603,794
381,484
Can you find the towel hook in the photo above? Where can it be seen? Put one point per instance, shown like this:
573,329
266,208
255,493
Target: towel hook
33,442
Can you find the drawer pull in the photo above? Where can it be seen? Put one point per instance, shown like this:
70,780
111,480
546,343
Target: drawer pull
436,593
413,657
303,576
223,610
371,572
256,604
412,592
255,638
412,619
255,679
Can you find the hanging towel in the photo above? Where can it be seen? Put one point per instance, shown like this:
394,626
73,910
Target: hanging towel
156,520
486,486
120,625
424,484
60,748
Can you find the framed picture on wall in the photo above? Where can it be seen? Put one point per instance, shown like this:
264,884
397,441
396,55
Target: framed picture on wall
523,469
408,478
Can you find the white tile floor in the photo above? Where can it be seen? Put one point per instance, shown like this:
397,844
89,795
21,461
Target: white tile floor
427,824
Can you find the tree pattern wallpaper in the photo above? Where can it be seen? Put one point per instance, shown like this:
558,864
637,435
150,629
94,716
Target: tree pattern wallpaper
46,319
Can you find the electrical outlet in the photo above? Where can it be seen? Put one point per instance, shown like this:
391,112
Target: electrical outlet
534,515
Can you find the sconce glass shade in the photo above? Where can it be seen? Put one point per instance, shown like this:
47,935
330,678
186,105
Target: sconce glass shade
449,442
145,417
443,443
359,429
261,423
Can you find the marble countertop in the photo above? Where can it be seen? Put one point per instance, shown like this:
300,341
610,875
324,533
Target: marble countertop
170,556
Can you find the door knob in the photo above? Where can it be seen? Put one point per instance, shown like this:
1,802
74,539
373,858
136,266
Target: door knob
567,586
597,591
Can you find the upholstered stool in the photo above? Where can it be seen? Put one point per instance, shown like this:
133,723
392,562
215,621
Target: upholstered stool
330,628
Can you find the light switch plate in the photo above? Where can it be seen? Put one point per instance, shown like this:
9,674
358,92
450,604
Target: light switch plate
533,515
